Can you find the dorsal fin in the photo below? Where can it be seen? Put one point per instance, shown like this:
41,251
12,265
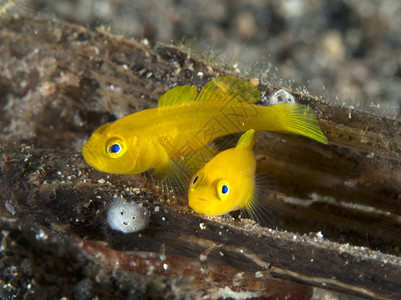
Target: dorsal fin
228,88
178,96
247,140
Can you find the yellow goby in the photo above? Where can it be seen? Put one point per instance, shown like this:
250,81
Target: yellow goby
186,121
227,181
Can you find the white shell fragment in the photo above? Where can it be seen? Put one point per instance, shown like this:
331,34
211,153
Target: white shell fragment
281,97
127,217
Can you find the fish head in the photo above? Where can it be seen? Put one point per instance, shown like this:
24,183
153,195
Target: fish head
224,184
109,151
216,189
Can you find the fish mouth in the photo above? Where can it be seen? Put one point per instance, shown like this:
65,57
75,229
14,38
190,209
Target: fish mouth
201,199
91,158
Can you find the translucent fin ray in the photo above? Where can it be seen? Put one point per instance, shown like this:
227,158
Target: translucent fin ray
263,206
174,177
229,88
300,119
179,172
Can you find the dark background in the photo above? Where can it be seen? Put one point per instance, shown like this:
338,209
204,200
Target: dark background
348,51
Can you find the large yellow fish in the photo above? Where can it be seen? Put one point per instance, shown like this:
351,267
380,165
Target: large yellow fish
227,181
186,121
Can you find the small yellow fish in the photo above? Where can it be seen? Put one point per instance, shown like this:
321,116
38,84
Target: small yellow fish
186,121
227,182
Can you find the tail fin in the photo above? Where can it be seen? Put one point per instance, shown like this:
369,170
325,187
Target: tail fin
299,119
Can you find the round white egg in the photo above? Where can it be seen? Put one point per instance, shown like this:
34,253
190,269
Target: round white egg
127,217
281,97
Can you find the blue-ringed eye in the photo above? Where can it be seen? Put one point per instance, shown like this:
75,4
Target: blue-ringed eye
224,190
115,148
194,180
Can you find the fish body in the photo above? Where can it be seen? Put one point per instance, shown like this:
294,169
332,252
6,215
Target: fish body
185,122
227,182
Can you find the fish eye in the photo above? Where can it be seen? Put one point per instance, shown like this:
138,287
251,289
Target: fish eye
223,189
115,147
194,179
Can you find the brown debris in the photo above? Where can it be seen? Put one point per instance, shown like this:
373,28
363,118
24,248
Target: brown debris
217,280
